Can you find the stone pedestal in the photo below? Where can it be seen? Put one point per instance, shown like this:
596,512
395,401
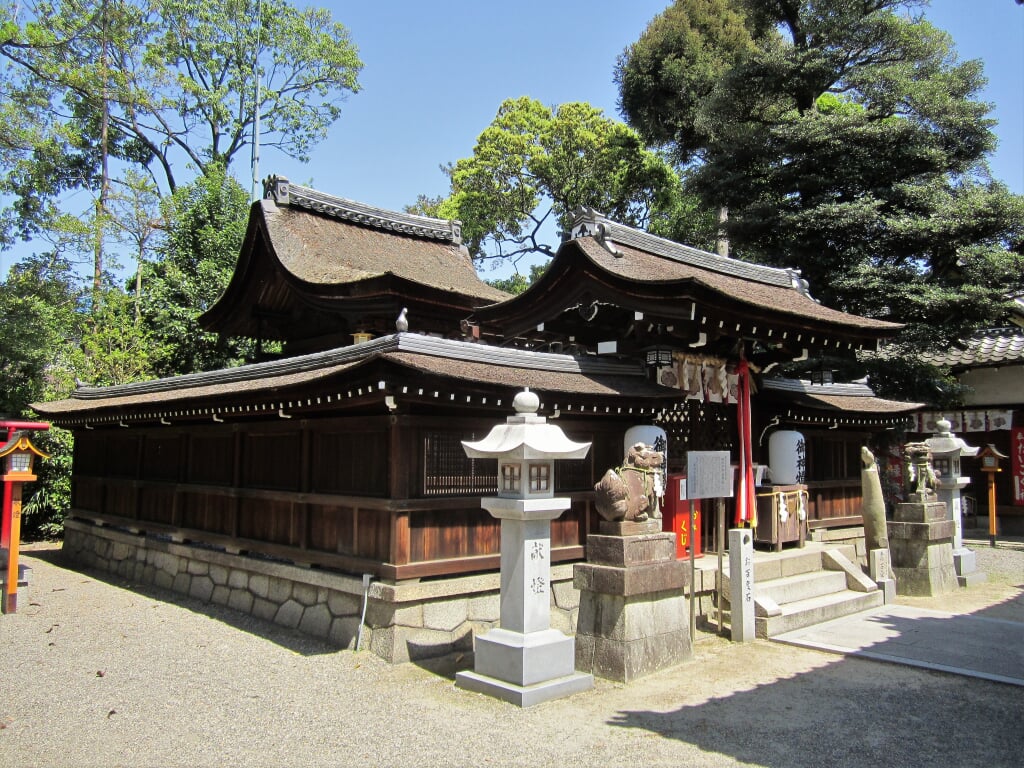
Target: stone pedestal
633,615
964,562
921,548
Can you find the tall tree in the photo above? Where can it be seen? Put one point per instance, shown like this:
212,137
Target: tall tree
40,303
848,142
205,225
173,81
533,165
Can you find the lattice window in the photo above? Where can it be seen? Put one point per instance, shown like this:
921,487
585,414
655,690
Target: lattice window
540,478
447,471
574,475
699,426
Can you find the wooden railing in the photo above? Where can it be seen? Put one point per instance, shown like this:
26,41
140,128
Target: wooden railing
834,503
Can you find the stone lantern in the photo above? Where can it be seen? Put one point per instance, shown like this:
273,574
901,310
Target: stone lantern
947,450
524,661
17,456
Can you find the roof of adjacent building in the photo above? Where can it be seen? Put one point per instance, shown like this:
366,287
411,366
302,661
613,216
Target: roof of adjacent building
997,346
644,257
346,241
852,399
420,356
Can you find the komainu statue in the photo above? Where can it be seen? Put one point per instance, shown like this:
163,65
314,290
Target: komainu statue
876,535
633,491
920,475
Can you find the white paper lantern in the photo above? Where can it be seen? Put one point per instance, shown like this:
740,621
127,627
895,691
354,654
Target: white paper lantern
787,457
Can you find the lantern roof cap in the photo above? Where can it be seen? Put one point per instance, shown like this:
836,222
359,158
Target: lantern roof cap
526,436
944,441
20,442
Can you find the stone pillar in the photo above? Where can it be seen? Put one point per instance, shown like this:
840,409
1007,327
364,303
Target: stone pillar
741,584
633,615
921,548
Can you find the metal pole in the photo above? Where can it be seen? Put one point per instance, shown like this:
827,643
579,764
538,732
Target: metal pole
991,509
720,533
693,575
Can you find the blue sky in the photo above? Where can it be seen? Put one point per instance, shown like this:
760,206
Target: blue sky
435,74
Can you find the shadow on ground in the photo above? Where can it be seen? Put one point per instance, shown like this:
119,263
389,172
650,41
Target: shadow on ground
857,711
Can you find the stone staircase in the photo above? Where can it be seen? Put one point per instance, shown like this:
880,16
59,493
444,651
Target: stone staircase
801,587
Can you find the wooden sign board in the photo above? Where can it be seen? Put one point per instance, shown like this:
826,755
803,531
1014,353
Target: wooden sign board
709,475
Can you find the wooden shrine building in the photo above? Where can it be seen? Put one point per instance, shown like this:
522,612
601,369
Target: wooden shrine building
275,486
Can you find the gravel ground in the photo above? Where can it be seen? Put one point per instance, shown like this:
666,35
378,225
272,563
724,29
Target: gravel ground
96,674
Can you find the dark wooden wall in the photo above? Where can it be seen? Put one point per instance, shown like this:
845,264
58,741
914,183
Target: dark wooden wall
390,495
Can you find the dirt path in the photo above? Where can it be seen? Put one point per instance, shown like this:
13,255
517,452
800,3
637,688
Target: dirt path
96,674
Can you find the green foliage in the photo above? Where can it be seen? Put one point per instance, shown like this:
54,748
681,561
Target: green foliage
42,323
39,305
534,164
49,498
517,282
153,85
116,347
845,139
667,76
206,224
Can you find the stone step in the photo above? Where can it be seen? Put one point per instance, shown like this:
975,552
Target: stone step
801,586
815,610
792,562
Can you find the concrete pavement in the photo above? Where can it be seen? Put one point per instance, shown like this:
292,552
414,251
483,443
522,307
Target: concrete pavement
975,646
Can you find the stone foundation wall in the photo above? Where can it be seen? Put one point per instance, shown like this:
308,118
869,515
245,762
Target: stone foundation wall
405,621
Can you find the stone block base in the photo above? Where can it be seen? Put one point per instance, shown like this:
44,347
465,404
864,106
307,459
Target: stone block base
925,582
524,658
972,579
921,549
525,695
923,566
624,638
404,621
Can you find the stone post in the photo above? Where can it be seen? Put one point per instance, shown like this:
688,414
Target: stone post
741,584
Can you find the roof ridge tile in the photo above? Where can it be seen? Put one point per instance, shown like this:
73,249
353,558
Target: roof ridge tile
284,192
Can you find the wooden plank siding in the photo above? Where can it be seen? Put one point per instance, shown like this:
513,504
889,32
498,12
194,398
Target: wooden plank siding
355,494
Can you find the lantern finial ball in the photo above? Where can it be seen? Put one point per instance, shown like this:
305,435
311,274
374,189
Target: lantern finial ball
526,402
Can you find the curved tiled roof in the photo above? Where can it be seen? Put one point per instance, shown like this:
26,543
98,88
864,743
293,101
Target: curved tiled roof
780,296
458,360
322,249
997,346
852,398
